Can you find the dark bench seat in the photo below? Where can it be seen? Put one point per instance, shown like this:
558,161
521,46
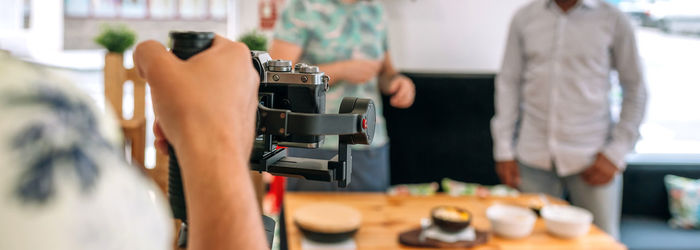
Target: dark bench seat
645,212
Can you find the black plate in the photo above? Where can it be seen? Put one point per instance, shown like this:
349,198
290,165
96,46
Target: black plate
326,237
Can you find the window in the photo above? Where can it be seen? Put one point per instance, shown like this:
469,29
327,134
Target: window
147,9
26,14
668,36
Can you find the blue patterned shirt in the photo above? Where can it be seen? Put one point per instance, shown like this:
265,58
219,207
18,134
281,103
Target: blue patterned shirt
331,31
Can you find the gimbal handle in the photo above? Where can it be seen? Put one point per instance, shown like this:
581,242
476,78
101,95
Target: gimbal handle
354,123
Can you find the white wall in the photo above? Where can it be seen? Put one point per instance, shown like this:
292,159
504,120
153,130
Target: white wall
452,36
242,17
10,15
46,31
462,36
45,34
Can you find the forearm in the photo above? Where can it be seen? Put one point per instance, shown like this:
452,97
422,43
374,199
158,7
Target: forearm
334,70
508,96
628,65
388,71
626,131
503,124
222,210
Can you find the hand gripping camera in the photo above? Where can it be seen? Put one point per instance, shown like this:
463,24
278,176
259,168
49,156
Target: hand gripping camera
291,113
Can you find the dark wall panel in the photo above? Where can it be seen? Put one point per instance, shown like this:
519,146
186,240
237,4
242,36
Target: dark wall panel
445,133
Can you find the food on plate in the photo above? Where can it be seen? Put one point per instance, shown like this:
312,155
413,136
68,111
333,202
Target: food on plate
457,188
420,189
451,214
451,219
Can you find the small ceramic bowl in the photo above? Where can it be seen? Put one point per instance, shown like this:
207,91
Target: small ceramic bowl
566,221
326,237
511,221
328,222
450,218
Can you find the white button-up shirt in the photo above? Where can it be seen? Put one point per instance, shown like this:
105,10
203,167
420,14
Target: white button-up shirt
552,94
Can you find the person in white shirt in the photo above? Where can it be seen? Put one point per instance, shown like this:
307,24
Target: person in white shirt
553,131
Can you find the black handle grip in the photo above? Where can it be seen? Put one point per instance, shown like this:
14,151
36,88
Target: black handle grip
185,45
176,194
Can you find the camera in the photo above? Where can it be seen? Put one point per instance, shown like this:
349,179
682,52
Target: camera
291,113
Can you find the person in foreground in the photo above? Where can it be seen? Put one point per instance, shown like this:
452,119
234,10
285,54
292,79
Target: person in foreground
65,184
553,130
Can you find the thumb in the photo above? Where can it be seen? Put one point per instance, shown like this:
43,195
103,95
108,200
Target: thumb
394,86
152,60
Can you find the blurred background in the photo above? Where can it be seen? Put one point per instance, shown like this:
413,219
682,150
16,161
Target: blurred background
445,39
452,50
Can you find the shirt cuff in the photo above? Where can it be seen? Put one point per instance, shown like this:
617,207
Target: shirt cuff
616,152
503,154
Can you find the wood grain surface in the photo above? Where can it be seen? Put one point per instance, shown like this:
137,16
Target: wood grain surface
385,217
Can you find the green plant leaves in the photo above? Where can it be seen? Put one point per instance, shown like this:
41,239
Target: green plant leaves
116,38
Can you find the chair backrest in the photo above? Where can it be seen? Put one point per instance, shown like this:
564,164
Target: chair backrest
134,129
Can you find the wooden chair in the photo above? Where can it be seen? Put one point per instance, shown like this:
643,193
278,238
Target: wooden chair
134,129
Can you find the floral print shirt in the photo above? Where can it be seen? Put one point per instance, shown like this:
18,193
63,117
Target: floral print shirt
330,31
64,183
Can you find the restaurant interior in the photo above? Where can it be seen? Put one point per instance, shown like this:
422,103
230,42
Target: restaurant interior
444,188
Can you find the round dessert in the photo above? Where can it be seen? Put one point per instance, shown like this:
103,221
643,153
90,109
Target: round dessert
451,219
327,222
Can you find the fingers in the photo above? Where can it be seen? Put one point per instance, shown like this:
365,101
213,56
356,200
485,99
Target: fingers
394,86
515,176
591,175
586,174
596,179
219,41
404,95
152,59
508,173
501,173
226,52
224,45
161,143
606,168
596,175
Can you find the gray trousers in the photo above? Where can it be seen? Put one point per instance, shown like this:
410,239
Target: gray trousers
370,170
605,202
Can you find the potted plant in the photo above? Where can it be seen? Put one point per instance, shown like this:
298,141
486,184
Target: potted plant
255,40
116,39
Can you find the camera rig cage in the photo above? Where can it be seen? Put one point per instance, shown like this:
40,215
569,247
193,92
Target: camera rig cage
291,113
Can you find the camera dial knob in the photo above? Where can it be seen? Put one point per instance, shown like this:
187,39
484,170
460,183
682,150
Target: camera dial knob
309,70
279,66
299,66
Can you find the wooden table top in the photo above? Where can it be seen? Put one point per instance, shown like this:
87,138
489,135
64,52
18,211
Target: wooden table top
384,217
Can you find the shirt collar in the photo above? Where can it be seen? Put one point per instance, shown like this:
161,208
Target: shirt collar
590,4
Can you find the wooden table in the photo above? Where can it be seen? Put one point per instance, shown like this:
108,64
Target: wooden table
384,217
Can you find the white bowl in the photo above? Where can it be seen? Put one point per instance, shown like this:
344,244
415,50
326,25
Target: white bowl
511,221
566,221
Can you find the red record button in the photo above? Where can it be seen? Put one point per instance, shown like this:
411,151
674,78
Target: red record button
364,123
